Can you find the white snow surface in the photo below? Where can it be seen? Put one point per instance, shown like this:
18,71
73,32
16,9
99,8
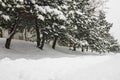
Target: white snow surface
25,62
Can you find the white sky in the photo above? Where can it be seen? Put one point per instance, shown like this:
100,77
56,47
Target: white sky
113,15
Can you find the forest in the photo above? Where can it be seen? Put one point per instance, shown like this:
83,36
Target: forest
69,23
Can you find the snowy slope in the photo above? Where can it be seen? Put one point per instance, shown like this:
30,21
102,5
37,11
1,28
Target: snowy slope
25,62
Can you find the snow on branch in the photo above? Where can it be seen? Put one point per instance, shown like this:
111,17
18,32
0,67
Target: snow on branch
40,17
6,17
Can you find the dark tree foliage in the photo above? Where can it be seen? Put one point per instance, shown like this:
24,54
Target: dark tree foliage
71,23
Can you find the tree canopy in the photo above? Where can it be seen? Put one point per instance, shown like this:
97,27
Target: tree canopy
70,23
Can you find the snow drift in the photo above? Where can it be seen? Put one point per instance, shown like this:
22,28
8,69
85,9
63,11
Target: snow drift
25,62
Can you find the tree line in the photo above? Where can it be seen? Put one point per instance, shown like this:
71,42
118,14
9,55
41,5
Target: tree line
70,23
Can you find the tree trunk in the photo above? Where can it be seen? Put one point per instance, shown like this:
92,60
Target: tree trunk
70,45
37,33
74,47
54,42
92,50
82,48
87,48
12,33
8,40
25,35
43,41
1,33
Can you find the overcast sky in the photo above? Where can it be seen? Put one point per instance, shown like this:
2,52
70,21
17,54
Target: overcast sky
113,15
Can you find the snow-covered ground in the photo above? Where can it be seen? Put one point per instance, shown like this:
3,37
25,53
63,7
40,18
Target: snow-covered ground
25,62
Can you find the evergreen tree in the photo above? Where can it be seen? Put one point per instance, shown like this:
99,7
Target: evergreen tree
70,23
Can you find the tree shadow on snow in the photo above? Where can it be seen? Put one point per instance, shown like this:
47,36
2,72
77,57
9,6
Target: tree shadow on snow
29,51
